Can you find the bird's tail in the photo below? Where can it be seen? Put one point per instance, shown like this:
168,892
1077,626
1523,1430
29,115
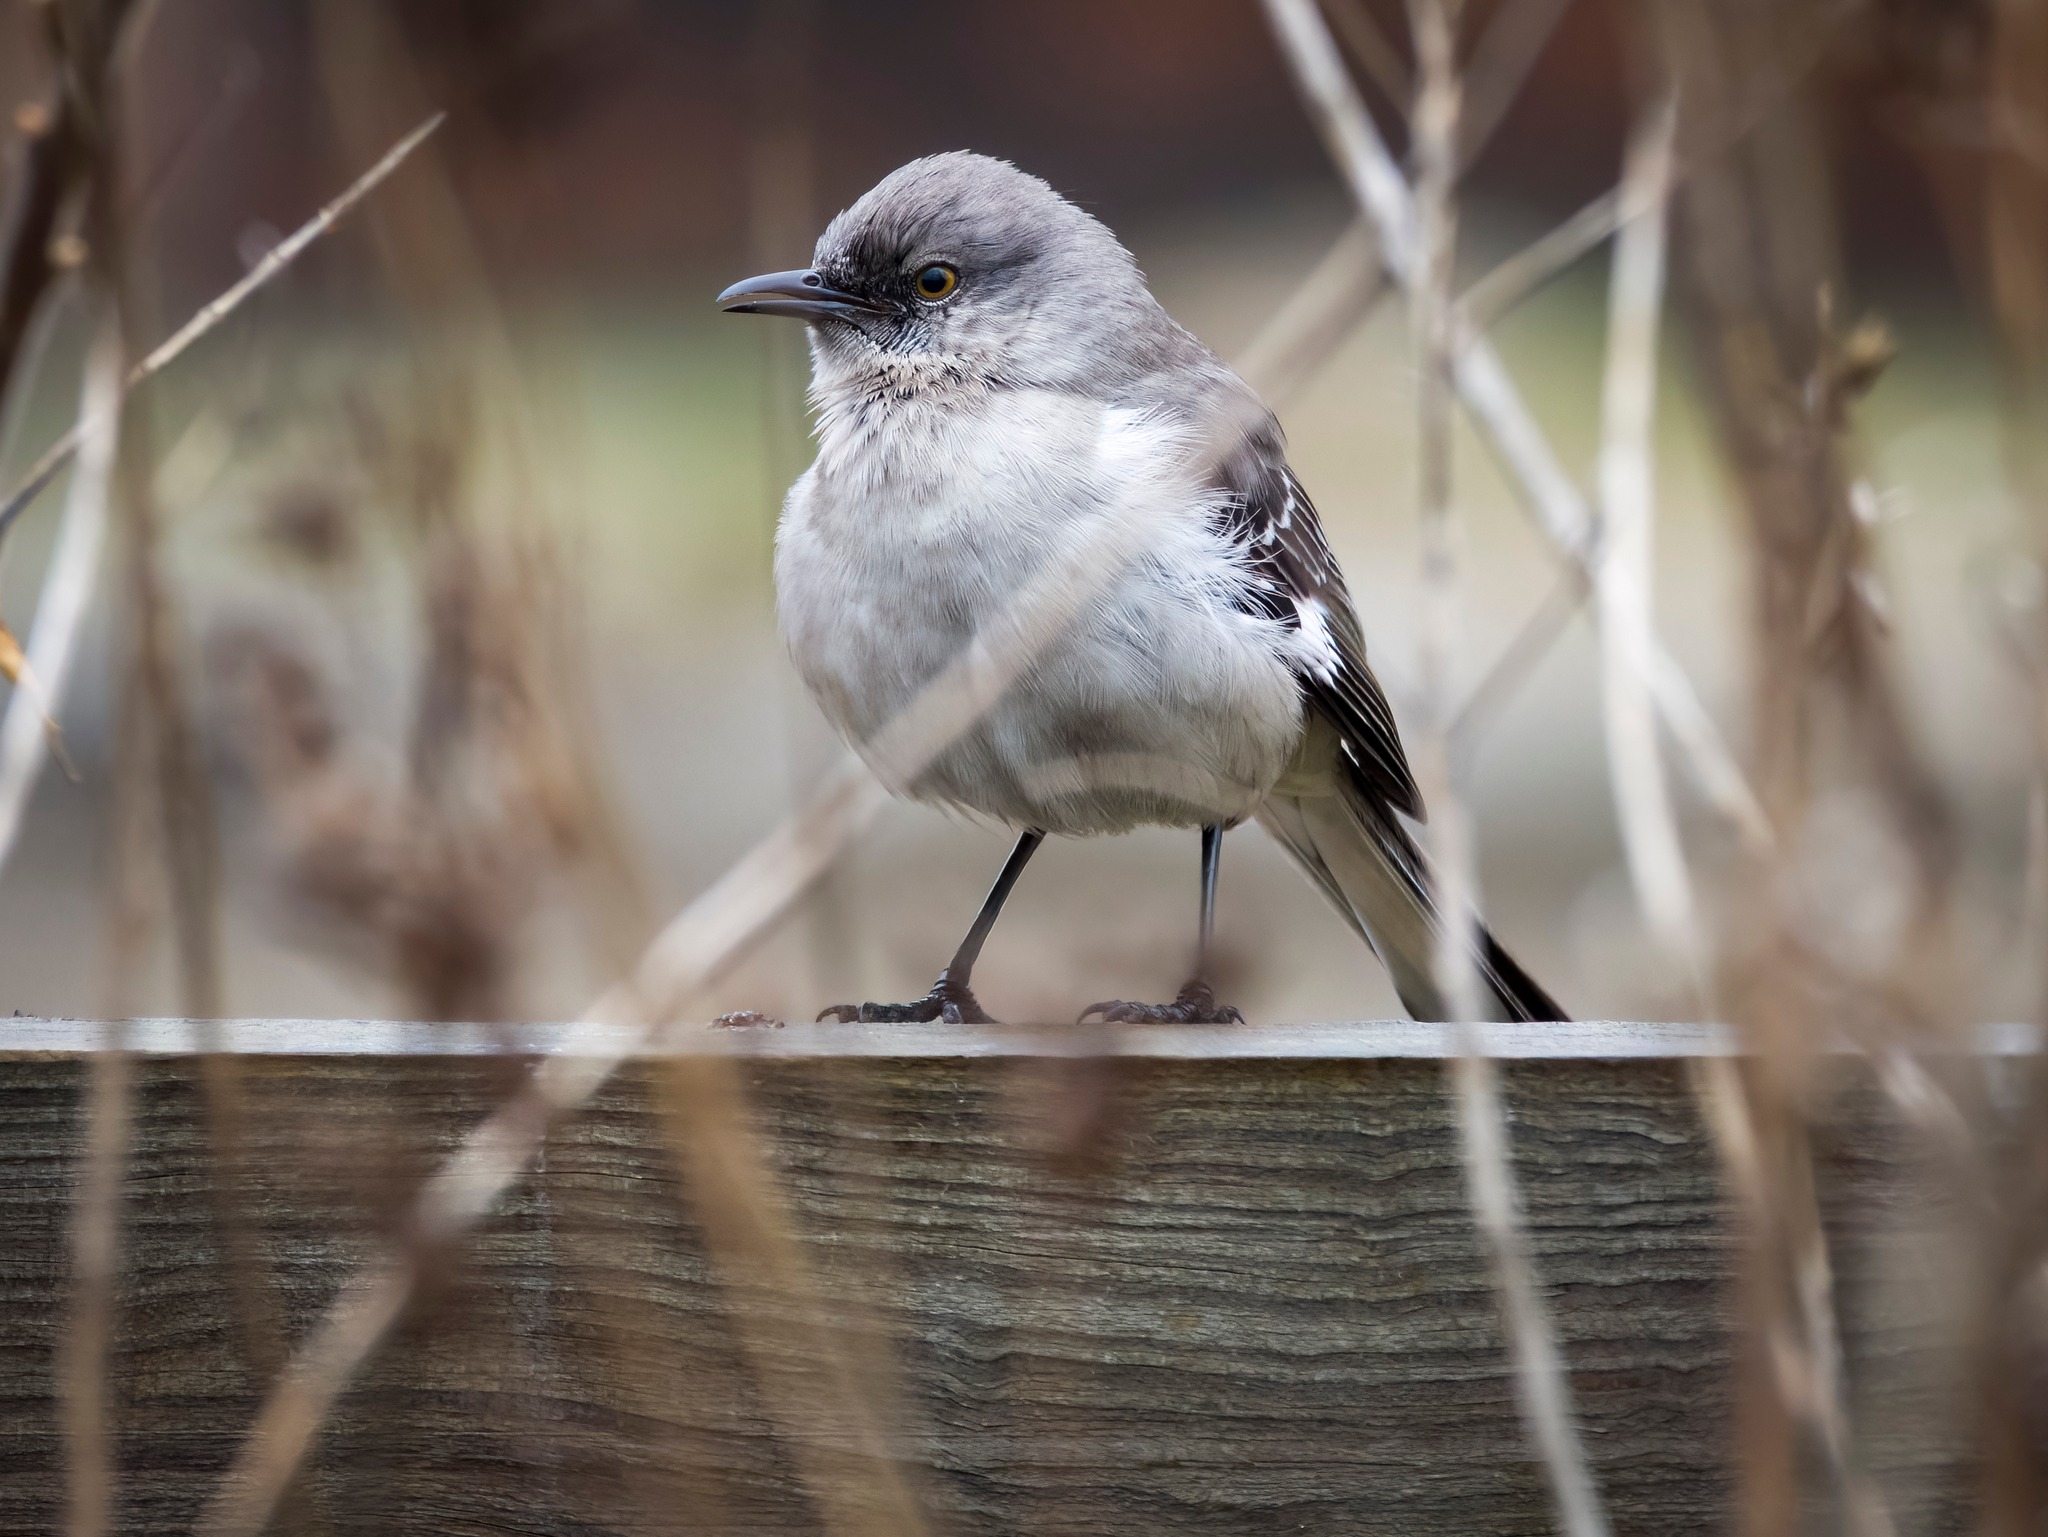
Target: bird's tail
1366,863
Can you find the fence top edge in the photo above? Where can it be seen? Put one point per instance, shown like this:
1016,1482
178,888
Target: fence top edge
1585,1040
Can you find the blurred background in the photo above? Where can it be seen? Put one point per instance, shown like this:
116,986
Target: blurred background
464,526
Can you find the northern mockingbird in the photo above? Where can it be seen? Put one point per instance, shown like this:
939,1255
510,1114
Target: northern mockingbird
991,378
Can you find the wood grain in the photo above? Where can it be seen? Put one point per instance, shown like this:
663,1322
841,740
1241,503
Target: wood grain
1116,1296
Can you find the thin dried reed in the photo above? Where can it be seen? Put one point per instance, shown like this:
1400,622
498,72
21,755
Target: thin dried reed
96,1224
52,461
1418,238
1627,569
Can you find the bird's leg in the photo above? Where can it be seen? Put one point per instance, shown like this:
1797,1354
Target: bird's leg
1196,1002
950,999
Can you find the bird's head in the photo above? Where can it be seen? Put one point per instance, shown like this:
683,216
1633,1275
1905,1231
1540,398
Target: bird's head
964,262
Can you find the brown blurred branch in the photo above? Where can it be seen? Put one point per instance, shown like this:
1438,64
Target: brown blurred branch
1969,83
83,38
1760,271
1863,829
2010,1336
505,785
1516,277
42,168
159,759
1507,285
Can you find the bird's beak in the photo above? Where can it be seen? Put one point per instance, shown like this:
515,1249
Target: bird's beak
803,294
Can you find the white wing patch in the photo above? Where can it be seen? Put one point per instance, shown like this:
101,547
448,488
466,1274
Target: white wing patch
1318,645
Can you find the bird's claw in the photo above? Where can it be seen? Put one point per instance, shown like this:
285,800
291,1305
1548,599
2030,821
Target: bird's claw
949,1003
1194,1005
746,1019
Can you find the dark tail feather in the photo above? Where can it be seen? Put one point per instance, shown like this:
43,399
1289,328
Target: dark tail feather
1372,872
1520,994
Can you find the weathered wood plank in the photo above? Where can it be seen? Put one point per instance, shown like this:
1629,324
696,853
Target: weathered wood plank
1263,1310
1367,1039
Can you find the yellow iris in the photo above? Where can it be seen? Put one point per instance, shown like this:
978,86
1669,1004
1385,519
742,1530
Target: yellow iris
936,281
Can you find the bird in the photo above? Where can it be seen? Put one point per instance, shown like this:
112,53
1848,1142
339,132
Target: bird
991,375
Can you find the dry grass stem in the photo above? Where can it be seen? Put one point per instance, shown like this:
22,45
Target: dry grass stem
1516,277
1541,1382
1627,565
1517,662
90,1480
1417,238
695,946
159,766
1490,395
281,256
1434,123
814,1388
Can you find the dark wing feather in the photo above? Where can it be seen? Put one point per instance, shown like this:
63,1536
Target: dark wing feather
1295,580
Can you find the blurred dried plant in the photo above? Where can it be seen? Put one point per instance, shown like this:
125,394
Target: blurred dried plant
431,863
434,860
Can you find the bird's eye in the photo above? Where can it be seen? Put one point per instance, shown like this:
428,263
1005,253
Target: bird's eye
936,281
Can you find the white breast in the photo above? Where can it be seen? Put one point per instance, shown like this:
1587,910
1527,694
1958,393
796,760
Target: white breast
925,513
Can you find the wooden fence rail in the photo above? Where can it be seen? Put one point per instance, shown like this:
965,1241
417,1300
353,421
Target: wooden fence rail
1180,1280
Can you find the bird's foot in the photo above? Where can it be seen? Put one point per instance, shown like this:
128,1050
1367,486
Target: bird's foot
746,1019
1195,1005
948,1002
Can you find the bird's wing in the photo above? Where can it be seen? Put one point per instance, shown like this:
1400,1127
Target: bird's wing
1295,580
1350,837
